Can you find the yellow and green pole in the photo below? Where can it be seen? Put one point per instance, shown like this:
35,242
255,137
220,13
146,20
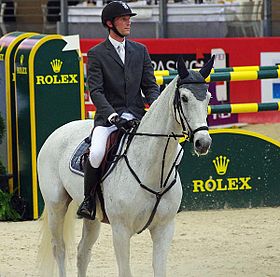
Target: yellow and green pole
230,76
243,108
224,69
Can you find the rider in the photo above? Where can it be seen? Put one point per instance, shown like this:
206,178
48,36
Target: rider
119,73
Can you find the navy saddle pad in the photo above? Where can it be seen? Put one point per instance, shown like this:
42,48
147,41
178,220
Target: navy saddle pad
77,159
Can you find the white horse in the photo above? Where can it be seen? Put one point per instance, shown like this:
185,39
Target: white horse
144,190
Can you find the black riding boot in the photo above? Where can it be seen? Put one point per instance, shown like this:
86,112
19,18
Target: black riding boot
91,179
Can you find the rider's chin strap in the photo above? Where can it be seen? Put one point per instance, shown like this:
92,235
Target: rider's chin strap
116,31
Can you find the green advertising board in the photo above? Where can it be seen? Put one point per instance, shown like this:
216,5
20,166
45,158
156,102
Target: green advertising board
50,93
8,46
240,171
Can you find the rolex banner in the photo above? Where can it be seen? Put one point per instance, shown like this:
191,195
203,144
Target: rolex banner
49,89
239,172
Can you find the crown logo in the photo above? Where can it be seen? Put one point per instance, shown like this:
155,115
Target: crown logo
21,59
221,164
56,65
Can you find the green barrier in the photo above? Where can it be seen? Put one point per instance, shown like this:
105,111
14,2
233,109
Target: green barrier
240,171
50,93
8,46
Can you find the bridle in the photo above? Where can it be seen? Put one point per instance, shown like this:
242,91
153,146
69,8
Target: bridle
178,111
187,133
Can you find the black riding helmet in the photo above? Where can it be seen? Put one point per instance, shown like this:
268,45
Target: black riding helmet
114,9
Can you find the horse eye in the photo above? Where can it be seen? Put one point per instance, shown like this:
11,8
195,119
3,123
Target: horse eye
184,98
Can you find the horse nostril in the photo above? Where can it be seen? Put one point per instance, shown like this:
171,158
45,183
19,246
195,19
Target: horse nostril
197,144
202,145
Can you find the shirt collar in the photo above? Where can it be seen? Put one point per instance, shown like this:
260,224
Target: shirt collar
116,43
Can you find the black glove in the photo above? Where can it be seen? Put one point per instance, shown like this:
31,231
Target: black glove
121,123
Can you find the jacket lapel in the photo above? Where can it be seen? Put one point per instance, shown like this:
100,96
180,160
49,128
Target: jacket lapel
128,53
113,53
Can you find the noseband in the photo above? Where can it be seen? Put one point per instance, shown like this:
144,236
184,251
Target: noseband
178,111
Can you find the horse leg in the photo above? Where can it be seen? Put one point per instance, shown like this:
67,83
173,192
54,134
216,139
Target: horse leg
56,214
91,229
162,237
121,241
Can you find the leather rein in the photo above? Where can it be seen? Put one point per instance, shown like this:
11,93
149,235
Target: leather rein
187,133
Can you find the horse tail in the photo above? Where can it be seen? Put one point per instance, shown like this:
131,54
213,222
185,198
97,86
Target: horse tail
45,258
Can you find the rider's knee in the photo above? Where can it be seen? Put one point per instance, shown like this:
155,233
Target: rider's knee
95,158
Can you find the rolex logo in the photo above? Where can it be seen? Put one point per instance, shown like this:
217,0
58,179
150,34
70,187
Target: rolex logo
221,164
56,65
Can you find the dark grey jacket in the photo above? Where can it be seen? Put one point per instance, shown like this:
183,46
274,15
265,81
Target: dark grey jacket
115,87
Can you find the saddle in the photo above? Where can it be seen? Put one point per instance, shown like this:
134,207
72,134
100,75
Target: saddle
81,153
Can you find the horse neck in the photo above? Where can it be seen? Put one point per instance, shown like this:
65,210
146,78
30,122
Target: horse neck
160,117
146,153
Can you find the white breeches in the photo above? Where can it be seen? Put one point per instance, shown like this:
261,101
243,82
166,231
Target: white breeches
98,144
99,138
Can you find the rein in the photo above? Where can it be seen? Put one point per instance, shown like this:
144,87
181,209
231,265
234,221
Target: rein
163,184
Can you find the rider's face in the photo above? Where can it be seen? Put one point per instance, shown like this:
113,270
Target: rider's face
122,24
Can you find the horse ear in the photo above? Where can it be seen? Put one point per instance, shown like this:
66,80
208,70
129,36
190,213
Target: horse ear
206,69
182,69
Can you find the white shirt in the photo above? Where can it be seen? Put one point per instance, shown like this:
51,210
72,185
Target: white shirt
120,47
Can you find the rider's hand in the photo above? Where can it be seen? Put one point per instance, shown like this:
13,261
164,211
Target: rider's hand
121,123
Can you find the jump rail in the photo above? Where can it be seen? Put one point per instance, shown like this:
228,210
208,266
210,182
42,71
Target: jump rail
244,108
229,76
224,69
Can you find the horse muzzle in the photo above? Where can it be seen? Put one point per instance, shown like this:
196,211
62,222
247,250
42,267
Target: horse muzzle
202,142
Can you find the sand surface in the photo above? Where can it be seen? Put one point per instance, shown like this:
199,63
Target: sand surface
224,243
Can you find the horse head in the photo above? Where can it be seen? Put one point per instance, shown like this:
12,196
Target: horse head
190,104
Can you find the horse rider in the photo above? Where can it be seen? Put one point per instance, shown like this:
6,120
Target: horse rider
119,73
